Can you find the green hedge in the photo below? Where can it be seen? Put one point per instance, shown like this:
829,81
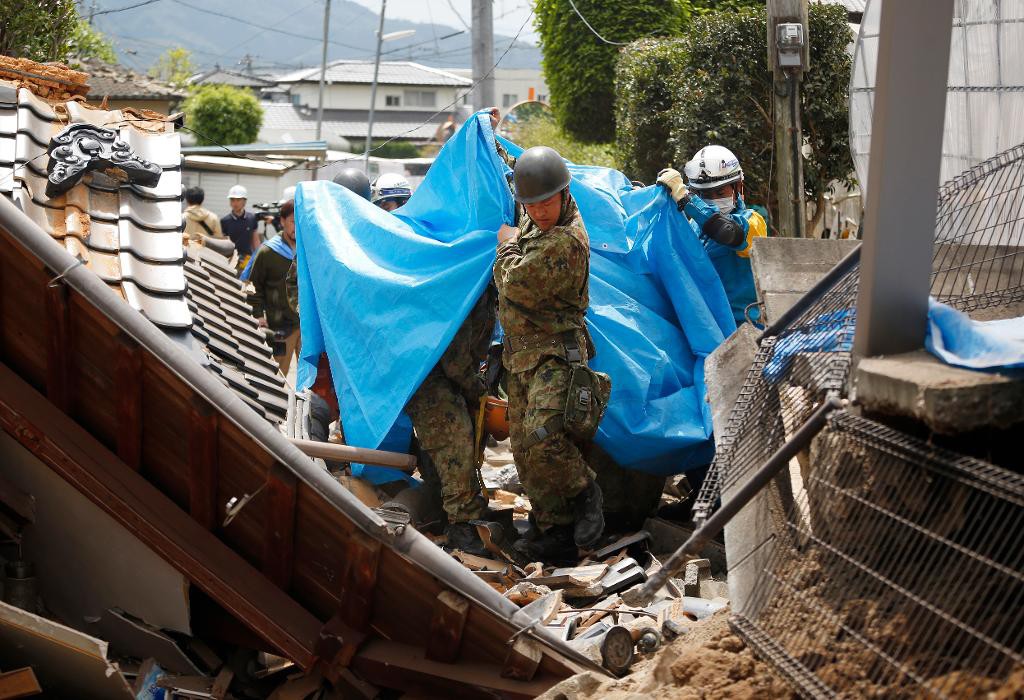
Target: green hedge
579,68
713,86
223,115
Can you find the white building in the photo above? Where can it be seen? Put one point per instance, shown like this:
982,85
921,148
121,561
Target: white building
412,100
513,85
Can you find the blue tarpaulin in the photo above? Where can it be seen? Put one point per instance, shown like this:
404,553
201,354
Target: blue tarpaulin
385,293
959,340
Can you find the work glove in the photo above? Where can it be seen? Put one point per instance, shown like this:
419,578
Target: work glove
671,180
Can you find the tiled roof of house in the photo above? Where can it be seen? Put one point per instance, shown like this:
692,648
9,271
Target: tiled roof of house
351,123
390,73
130,236
221,76
120,83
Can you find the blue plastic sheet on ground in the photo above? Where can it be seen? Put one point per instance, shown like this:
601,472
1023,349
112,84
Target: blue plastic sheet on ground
829,332
957,339
383,294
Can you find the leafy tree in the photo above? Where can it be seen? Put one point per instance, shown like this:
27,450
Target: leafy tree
713,86
86,41
704,6
174,66
39,30
223,115
542,130
646,78
579,67
389,149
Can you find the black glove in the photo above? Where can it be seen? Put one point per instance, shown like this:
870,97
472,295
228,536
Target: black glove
723,230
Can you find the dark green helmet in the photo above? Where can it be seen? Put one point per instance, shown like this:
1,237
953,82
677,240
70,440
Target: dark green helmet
354,180
540,173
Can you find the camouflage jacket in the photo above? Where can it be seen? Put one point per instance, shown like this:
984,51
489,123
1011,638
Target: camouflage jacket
461,361
542,279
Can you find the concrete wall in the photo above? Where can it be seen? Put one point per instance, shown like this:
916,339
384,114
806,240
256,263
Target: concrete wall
346,96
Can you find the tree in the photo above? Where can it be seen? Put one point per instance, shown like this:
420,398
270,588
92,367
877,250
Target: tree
713,86
174,66
701,7
39,30
579,67
86,42
542,130
222,115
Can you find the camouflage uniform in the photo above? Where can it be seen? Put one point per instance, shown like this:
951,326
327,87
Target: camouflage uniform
444,409
542,279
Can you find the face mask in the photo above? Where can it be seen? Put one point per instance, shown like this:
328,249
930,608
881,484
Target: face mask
724,205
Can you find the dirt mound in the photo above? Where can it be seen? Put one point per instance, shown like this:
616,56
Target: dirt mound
709,661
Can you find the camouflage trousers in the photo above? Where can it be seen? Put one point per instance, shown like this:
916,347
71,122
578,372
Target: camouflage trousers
444,427
553,470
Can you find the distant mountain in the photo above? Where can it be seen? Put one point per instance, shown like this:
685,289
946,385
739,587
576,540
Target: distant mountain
276,35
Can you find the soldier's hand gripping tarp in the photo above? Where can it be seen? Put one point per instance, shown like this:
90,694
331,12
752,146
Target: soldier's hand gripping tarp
385,293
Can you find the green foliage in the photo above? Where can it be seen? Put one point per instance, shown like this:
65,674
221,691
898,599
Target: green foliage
87,42
386,149
174,66
713,86
544,131
645,84
39,30
223,115
580,68
701,7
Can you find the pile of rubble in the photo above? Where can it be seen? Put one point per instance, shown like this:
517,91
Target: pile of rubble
51,81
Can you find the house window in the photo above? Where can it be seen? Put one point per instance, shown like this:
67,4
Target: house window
297,100
393,101
508,100
421,98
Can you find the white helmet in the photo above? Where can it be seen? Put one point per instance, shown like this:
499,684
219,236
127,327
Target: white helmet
289,193
238,192
390,186
712,166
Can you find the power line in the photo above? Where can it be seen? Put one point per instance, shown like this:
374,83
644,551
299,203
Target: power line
122,9
458,15
594,31
264,28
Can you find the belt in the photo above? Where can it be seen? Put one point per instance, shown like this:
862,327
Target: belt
535,341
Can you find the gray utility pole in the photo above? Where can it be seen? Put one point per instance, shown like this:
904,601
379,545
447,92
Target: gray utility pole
903,180
483,54
323,72
373,87
788,58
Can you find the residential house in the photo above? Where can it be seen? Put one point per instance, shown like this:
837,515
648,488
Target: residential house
122,87
223,76
412,101
513,85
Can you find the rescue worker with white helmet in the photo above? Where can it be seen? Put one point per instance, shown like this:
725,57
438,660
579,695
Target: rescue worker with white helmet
712,199
390,191
240,225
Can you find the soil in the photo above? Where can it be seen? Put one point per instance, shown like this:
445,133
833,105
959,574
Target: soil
53,81
708,661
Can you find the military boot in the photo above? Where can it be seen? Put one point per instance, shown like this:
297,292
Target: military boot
552,546
464,537
589,512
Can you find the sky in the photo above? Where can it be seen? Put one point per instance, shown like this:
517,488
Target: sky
509,15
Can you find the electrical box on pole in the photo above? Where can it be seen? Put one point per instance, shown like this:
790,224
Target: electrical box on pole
788,58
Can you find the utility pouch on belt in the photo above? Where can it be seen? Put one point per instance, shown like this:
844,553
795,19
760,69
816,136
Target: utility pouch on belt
587,400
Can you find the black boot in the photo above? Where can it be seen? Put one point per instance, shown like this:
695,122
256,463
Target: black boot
464,537
552,546
587,507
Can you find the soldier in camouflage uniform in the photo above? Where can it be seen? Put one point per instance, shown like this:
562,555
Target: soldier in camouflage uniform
542,276
443,412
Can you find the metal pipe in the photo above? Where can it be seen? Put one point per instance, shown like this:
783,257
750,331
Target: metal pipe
373,87
813,294
347,453
714,525
323,72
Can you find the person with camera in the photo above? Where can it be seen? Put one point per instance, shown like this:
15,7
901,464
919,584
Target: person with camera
268,275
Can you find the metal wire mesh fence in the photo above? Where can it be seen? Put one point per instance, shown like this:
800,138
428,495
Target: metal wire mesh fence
897,572
979,235
895,569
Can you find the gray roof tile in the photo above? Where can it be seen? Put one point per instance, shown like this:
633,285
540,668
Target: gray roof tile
130,237
390,73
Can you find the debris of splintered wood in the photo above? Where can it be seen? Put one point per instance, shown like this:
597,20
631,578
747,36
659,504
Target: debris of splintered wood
361,489
68,662
20,683
525,592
